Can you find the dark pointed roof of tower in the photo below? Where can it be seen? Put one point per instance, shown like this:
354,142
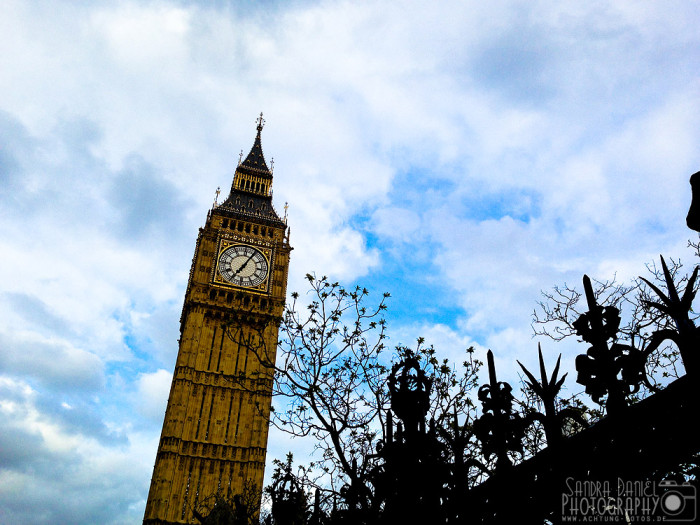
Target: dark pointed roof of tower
255,161
253,203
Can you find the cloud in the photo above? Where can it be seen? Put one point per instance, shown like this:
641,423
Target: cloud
49,473
17,145
137,38
155,333
145,202
462,156
52,362
152,391
395,223
32,308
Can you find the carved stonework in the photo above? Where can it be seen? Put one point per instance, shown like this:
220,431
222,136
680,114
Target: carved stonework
214,435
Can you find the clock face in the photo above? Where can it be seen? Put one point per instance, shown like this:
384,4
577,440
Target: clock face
243,265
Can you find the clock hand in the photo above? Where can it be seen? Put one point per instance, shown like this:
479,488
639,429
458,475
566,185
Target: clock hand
244,264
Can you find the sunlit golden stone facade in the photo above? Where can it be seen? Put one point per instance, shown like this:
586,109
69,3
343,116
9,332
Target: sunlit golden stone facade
214,435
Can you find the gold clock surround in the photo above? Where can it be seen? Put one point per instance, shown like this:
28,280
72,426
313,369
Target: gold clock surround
228,242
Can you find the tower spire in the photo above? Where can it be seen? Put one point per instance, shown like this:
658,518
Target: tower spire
255,159
252,182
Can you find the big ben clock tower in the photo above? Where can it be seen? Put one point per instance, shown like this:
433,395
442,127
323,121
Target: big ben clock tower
214,435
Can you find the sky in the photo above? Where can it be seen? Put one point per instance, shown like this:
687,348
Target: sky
461,155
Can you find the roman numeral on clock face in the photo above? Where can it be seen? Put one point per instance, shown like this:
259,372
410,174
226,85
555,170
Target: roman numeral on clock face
243,265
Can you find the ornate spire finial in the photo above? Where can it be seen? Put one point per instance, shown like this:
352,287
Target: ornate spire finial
261,122
216,197
286,207
240,158
272,165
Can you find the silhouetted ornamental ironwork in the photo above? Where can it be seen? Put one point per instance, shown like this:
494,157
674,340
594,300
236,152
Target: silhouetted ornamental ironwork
547,390
414,467
641,441
289,506
410,393
615,370
687,335
500,429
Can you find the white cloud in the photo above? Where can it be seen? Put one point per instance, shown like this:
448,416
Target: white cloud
49,470
396,223
152,391
55,362
141,36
